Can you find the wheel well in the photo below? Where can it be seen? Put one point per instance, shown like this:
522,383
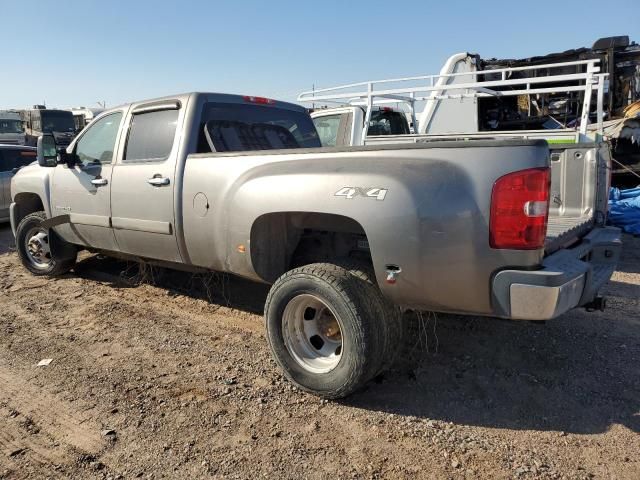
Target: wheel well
26,203
285,240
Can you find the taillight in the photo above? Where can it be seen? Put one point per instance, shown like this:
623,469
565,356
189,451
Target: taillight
519,210
259,100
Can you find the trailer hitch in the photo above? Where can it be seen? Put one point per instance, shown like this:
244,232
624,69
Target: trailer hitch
597,304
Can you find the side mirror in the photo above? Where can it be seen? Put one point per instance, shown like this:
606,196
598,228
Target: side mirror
47,153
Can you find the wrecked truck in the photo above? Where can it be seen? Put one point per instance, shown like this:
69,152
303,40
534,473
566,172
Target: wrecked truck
347,237
555,112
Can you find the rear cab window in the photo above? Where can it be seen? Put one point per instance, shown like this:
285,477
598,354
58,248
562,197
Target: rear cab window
328,127
388,122
237,127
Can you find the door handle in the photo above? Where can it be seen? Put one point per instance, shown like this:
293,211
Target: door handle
98,182
158,181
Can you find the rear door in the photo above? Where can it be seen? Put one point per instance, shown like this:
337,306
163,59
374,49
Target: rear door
142,206
84,190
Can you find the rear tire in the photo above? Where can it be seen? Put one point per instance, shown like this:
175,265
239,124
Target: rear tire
390,314
34,248
325,329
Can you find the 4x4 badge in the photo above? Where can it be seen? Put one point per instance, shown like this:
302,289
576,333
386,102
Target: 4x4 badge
371,192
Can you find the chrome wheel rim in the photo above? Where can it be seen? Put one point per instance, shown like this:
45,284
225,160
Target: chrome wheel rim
37,247
312,333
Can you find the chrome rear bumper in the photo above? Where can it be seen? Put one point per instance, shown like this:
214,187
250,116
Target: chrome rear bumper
569,278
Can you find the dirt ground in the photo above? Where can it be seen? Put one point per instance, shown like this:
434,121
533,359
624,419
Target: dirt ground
158,382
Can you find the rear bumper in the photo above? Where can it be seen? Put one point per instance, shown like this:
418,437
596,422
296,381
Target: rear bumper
569,278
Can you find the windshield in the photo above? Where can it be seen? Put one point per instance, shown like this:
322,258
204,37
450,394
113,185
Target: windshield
236,127
53,121
385,122
11,126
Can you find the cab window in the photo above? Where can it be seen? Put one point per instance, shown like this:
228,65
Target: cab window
96,145
239,127
328,127
388,122
151,135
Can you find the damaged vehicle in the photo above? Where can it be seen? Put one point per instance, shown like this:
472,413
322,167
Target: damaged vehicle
347,237
619,59
509,106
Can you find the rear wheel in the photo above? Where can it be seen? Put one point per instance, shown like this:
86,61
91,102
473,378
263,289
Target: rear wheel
325,330
34,245
390,314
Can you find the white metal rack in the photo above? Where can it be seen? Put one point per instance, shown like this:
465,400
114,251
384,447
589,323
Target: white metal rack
439,87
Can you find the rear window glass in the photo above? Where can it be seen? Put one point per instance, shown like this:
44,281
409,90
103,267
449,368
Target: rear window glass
233,127
14,158
151,135
388,123
327,127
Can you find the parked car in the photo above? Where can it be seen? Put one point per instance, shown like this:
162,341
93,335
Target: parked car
347,236
12,159
11,128
41,120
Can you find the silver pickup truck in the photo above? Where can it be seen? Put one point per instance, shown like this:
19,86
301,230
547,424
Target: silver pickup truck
348,237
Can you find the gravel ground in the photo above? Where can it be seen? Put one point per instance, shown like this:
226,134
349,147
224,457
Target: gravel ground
147,381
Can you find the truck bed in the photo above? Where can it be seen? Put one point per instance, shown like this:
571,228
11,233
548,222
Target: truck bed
562,230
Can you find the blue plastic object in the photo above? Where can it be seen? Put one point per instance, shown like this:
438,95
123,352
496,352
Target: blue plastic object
624,209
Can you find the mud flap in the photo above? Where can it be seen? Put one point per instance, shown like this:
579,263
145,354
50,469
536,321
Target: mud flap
59,220
60,249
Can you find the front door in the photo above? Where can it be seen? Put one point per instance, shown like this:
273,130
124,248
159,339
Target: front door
143,184
84,190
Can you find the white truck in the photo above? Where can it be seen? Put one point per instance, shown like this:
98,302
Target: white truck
466,101
11,128
343,126
83,116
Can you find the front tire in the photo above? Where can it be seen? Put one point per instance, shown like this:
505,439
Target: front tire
324,330
33,243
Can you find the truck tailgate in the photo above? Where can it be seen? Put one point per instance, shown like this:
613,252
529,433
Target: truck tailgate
579,189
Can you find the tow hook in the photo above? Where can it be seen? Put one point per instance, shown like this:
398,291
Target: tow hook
597,304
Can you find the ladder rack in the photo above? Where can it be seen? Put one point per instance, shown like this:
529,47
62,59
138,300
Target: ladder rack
430,88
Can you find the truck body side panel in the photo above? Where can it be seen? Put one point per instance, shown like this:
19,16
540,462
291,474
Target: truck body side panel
433,221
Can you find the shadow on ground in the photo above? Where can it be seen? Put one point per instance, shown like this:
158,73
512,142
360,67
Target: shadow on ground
7,242
572,374
562,376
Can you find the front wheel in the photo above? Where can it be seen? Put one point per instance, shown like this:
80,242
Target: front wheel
324,329
34,247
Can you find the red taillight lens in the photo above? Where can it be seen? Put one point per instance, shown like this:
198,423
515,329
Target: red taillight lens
519,210
259,100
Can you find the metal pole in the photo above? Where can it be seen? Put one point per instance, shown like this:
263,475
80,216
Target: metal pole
367,117
600,103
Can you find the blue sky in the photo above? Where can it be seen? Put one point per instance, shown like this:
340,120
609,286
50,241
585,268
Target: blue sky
72,53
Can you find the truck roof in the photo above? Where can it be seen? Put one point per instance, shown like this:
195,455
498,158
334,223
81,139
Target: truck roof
9,115
214,97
